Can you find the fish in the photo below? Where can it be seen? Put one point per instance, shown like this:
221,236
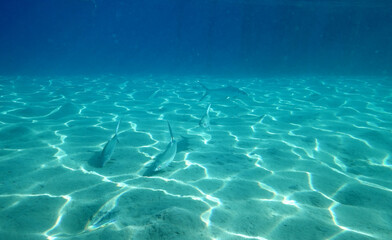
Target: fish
205,120
108,150
222,93
164,159
105,215
102,219
154,94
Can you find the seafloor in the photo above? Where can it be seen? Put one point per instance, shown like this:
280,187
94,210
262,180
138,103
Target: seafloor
296,158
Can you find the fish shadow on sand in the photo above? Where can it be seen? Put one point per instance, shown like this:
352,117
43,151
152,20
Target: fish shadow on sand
95,160
223,93
183,144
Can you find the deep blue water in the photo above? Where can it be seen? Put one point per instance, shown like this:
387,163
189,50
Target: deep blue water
227,37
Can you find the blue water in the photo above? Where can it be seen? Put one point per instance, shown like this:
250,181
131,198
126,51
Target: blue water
281,118
229,37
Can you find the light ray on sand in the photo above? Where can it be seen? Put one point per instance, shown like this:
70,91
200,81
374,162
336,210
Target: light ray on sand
358,139
317,145
326,136
243,235
336,222
60,214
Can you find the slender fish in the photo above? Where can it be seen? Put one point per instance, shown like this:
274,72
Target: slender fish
164,159
108,150
105,215
205,120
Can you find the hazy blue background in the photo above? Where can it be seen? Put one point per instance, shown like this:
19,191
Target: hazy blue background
227,37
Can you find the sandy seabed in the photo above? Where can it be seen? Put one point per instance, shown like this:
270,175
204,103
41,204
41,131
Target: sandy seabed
296,158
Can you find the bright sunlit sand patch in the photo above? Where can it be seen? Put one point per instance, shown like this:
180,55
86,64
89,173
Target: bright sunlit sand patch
299,159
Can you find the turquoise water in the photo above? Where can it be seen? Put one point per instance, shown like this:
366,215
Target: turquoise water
292,158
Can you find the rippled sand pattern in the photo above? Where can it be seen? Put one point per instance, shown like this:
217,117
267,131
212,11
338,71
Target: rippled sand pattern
298,158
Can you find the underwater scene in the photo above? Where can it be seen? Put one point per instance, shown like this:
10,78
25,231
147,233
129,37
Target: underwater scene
204,120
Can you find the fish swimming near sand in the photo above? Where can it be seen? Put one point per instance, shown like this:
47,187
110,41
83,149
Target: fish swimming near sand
101,219
105,215
205,120
222,93
164,159
108,150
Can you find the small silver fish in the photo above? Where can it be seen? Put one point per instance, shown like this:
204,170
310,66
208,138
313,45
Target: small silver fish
164,159
105,215
205,120
108,150
102,219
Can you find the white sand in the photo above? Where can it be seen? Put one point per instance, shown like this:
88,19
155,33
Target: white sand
299,158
